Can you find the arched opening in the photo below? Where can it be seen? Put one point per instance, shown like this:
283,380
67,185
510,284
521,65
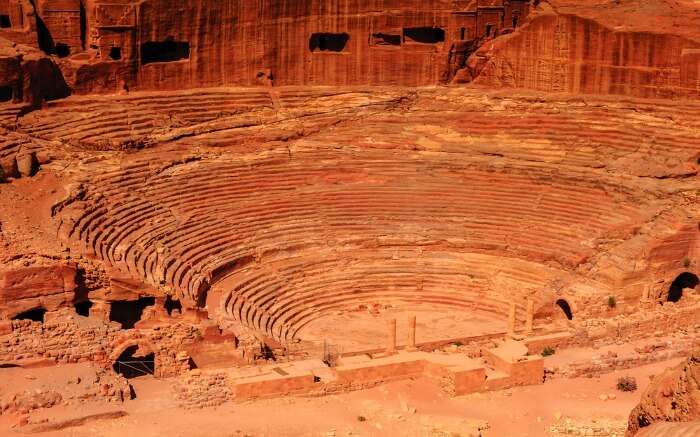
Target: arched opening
35,315
133,363
128,312
683,281
566,309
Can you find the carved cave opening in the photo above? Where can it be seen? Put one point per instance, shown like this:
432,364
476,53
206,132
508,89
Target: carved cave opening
35,315
131,364
164,51
683,281
172,305
6,93
115,53
128,312
386,39
83,308
566,309
489,30
328,42
424,35
5,22
62,50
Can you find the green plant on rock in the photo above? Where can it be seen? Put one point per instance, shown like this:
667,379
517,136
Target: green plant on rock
547,351
612,302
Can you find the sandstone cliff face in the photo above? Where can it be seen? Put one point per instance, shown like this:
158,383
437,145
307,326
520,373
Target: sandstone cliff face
160,44
673,396
566,53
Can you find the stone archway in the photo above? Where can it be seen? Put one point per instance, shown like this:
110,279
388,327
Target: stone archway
133,359
564,306
682,282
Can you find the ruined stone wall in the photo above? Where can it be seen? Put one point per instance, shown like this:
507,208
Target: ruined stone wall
566,53
71,339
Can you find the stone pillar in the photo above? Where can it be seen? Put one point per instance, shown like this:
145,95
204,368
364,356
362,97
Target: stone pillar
412,333
391,341
530,316
511,319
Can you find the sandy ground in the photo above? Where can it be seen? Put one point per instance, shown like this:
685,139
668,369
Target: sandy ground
408,408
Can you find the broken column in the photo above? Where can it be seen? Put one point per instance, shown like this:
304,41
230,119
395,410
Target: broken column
391,343
511,319
412,333
530,315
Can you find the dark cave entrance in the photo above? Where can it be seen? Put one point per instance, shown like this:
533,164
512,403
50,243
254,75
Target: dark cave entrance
128,312
131,364
115,53
83,308
5,22
566,309
424,35
35,315
682,281
62,50
328,42
6,94
164,51
172,305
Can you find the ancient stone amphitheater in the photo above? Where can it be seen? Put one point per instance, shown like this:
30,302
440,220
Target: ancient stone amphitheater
262,198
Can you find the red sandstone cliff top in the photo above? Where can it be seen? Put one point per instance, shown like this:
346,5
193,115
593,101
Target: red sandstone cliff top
678,17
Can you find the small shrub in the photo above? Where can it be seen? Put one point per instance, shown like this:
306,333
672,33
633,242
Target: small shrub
457,343
547,351
686,262
627,383
612,302
361,419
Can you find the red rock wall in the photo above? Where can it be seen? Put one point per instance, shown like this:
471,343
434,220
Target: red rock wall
237,43
22,289
564,53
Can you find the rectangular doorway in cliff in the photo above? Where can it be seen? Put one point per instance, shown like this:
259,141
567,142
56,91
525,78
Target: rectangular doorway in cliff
129,312
5,22
424,35
164,51
328,42
5,94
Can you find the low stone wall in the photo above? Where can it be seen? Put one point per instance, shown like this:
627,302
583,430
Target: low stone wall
197,389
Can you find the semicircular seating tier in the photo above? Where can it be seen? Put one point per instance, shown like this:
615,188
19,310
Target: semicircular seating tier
355,224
